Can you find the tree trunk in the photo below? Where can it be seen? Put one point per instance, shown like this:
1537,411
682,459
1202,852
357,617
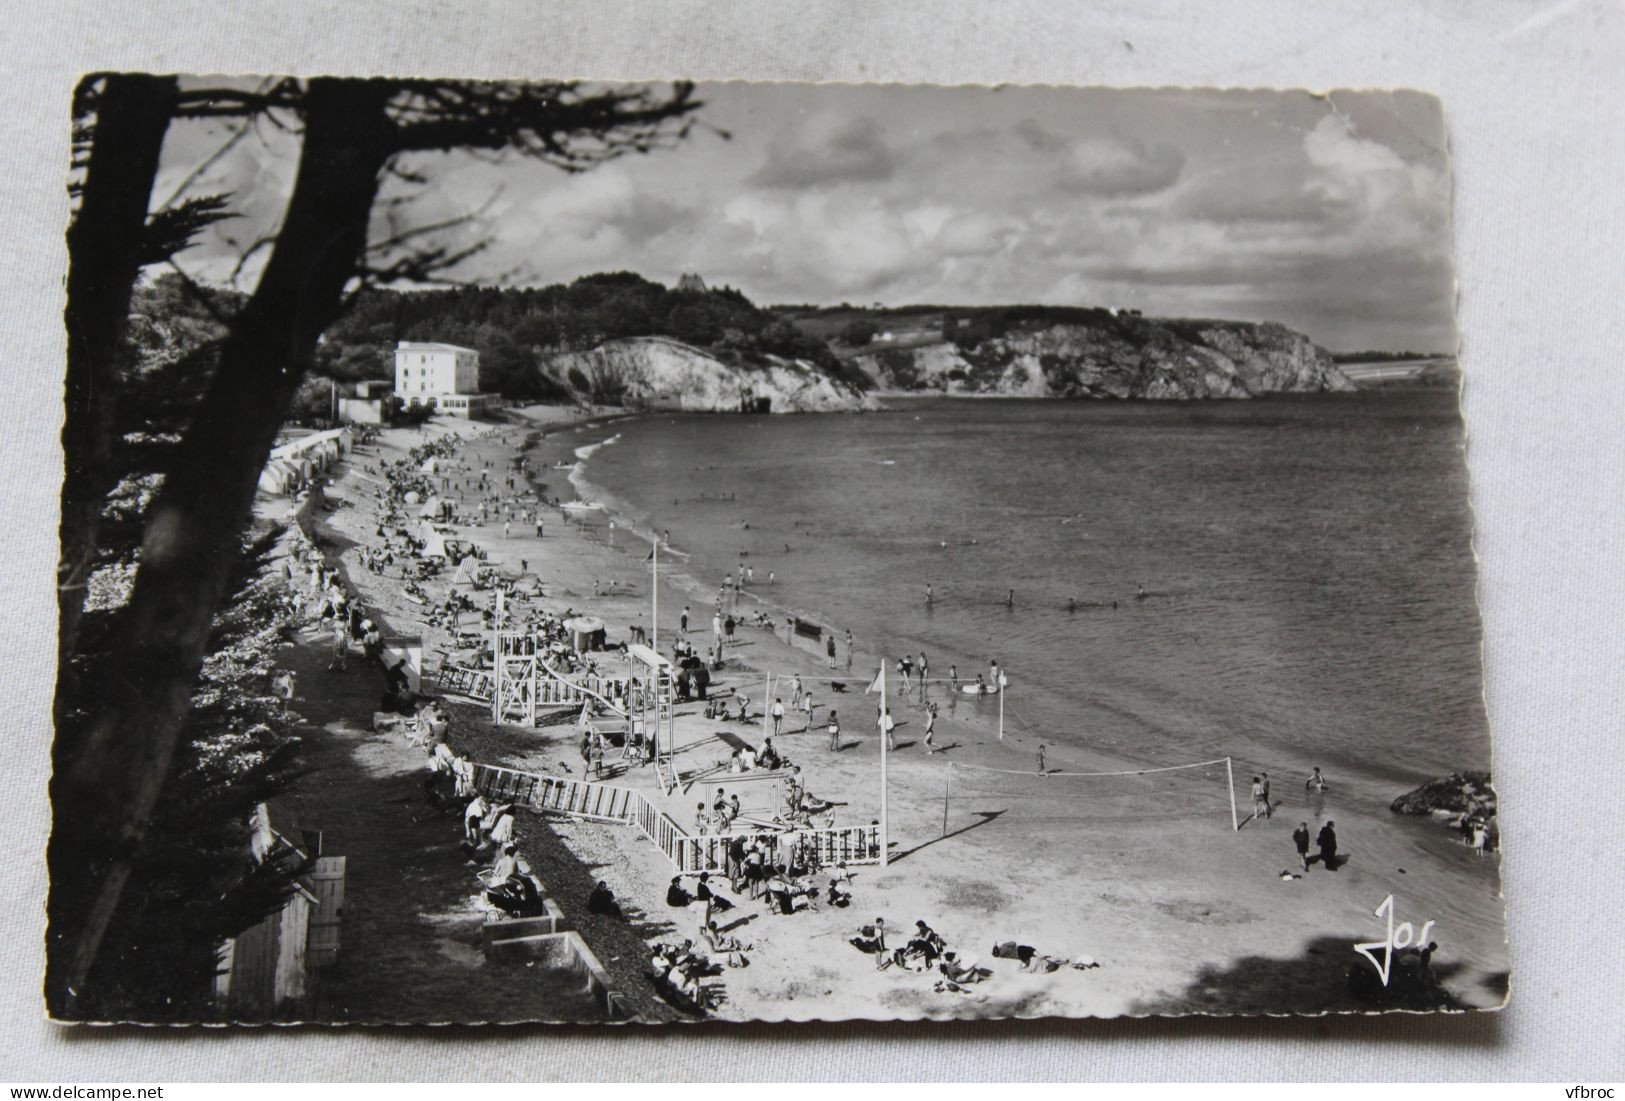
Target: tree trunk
104,247
104,796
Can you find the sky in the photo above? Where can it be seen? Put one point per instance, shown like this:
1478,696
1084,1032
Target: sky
1328,213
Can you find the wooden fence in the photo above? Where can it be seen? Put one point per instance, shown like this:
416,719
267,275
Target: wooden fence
835,845
558,794
688,855
552,690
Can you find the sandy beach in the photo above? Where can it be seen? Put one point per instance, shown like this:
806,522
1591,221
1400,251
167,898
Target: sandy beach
1132,889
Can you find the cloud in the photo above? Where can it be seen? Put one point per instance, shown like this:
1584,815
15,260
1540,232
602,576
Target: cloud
1116,165
828,151
1302,209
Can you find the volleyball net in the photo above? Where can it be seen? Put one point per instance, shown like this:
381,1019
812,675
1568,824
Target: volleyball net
1203,789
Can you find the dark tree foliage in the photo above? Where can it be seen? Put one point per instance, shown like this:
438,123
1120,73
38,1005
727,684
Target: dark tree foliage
197,883
516,328
857,334
123,736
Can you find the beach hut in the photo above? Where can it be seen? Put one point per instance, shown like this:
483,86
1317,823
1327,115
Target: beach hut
274,479
281,476
586,632
468,571
434,541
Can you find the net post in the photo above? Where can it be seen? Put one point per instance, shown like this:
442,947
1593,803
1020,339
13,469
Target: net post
1230,775
885,737
496,667
947,782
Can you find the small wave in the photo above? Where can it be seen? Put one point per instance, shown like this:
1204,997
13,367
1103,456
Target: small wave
586,452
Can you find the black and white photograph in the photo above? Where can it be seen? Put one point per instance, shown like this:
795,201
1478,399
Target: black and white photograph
573,551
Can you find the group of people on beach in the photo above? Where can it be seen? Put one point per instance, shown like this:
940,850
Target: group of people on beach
924,950
1324,841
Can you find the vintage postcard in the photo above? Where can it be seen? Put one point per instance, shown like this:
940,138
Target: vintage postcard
593,552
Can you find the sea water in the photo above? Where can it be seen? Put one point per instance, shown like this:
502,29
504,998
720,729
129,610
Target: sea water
1307,562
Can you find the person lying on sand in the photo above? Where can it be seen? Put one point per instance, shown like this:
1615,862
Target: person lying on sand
960,969
729,948
871,938
705,891
1030,959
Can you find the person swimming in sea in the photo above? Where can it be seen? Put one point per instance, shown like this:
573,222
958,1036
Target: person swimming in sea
1140,593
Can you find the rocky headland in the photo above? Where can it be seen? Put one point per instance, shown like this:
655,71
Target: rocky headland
654,372
1118,357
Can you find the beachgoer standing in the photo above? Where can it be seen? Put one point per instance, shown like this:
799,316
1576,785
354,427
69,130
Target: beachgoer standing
807,703
716,626
953,677
683,620
925,667
1327,841
849,648
795,691
778,714
887,725
728,628
507,528
834,729
1261,805
341,645
1300,838
928,594
1316,782
931,730
829,648
905,670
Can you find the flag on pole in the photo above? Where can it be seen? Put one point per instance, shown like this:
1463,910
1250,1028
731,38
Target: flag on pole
879,683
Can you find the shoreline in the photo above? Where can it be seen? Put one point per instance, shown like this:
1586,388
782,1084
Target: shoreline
1135,891
1359,771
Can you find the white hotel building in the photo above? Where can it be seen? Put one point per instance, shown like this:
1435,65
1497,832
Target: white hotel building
442,375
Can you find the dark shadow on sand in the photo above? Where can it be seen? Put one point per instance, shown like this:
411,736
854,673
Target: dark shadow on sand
1327,977
983,818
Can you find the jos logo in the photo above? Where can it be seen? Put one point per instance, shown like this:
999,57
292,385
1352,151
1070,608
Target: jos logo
1401,936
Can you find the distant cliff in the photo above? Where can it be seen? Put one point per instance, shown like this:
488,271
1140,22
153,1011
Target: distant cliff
1114,357
662,373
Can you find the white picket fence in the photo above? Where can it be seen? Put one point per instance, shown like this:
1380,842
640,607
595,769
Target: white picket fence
688,855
